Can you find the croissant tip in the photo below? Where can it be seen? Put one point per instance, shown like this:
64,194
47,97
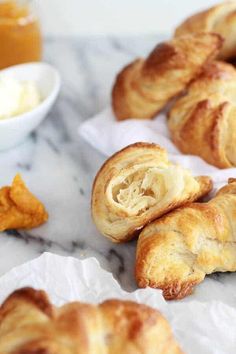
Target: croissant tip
231,180
177,290
37,297
171,291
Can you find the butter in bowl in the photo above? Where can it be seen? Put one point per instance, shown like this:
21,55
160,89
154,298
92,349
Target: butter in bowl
17,97
27,93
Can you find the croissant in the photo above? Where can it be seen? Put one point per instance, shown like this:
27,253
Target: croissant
175,253
29,323
219,19
144,87
202,122
19,208
137,185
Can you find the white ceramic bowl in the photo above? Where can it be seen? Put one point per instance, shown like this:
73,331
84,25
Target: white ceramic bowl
14,130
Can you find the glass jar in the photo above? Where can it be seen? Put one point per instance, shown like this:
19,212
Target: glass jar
20,35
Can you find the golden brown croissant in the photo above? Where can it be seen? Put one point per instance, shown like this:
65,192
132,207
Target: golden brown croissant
19,208
219,19
202,122
137,185
176,252
29,324
144,87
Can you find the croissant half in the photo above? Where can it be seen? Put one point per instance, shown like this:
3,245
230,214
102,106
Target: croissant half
29,323
219,19
203,121
137,185
176,252
144,87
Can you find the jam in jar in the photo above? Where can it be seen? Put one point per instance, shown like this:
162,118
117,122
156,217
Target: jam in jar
20,36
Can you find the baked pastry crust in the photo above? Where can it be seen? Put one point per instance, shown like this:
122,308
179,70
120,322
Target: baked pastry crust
19,208
137,185
202,122
176,252
29,323
219,19
144,87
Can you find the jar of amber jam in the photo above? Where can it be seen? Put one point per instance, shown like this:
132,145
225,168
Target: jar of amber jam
20,36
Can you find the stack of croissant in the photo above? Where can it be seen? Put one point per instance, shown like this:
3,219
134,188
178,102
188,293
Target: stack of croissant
139,192
189,71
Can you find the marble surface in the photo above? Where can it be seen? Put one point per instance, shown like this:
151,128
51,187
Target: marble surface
59,167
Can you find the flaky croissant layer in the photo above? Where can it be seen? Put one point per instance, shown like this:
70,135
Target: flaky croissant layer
202,122
219,19
145,86
174,253
137,185
30,324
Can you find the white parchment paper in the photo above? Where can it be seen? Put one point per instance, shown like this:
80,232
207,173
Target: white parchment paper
201,325
108,136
